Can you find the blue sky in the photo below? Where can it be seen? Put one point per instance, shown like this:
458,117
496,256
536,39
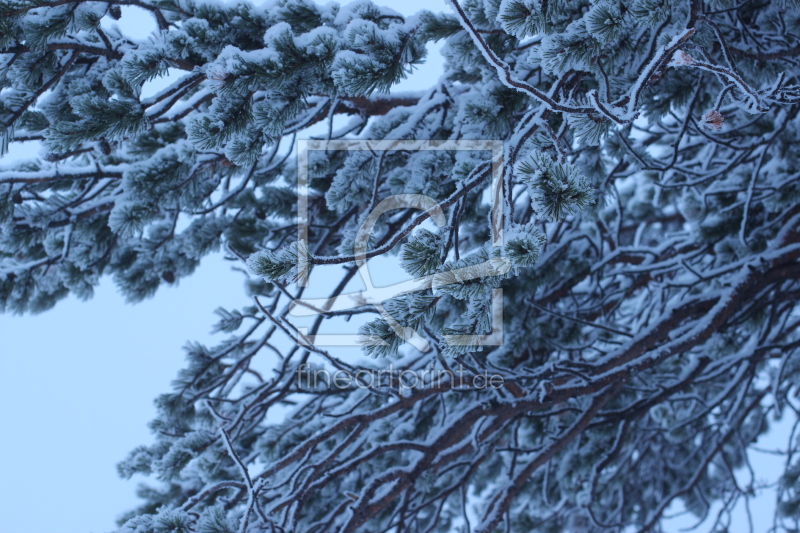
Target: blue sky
76,394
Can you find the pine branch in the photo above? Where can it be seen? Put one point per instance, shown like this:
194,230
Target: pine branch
504,70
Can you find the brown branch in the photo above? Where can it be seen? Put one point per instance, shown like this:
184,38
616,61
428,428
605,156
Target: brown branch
501,502
766,56
80,48
104,208
59,177
18,113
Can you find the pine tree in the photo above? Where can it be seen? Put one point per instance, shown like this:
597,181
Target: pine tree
648,265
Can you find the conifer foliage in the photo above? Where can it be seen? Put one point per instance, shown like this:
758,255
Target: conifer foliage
649,266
